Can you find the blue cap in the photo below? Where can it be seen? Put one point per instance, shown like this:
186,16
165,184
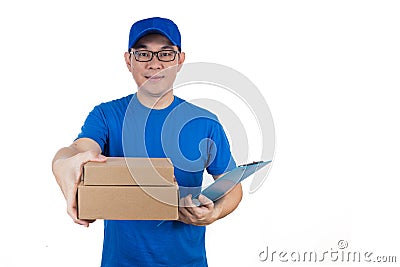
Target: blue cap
163,26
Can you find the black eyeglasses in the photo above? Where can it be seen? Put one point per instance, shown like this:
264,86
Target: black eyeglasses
146,55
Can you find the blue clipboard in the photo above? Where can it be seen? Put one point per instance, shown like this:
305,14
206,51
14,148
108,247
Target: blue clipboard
225,184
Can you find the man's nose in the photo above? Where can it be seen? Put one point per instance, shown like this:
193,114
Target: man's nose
154,63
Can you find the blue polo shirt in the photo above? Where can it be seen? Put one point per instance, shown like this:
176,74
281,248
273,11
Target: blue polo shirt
194,140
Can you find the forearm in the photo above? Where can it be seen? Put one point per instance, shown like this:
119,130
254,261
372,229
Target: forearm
229,202
79,146
63,153
67,159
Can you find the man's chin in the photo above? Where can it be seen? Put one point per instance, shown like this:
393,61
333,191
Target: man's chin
154,92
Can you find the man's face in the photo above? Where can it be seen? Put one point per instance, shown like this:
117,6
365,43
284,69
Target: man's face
155,77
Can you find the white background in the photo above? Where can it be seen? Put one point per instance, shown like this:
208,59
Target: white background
329,71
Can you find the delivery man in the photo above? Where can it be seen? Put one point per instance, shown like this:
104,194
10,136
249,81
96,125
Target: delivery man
195,143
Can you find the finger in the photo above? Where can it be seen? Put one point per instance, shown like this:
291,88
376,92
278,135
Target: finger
99,158
184,215
188,218
182,202
91,156
72,212
187,209
84,158
186,201
74,215
196,202
206,202
72,208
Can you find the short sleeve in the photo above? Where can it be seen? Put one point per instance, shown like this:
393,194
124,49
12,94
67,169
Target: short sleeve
221,159
95,127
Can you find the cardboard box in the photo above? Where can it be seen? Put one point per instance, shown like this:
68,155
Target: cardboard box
128,189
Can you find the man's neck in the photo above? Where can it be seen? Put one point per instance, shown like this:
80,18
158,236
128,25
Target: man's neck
155,102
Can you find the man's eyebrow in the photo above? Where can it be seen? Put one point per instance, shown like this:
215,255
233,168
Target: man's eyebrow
139,46
143,46
167,47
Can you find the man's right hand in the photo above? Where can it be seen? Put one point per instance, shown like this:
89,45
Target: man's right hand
68,169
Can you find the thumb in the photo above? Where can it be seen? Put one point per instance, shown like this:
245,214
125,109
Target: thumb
99,158
85,157
92,156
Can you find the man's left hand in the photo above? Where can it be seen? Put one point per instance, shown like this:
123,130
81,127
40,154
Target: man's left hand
204,214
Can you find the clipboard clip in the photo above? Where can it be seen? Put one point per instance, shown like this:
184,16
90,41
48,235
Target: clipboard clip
251,163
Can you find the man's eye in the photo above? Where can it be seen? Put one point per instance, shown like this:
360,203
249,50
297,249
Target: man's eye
143,54
166,53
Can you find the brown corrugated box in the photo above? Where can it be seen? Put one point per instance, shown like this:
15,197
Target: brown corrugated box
128,189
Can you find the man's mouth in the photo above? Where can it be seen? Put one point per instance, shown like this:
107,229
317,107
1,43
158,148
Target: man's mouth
154,77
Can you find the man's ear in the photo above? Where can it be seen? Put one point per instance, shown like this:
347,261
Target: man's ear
181,60
127,57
